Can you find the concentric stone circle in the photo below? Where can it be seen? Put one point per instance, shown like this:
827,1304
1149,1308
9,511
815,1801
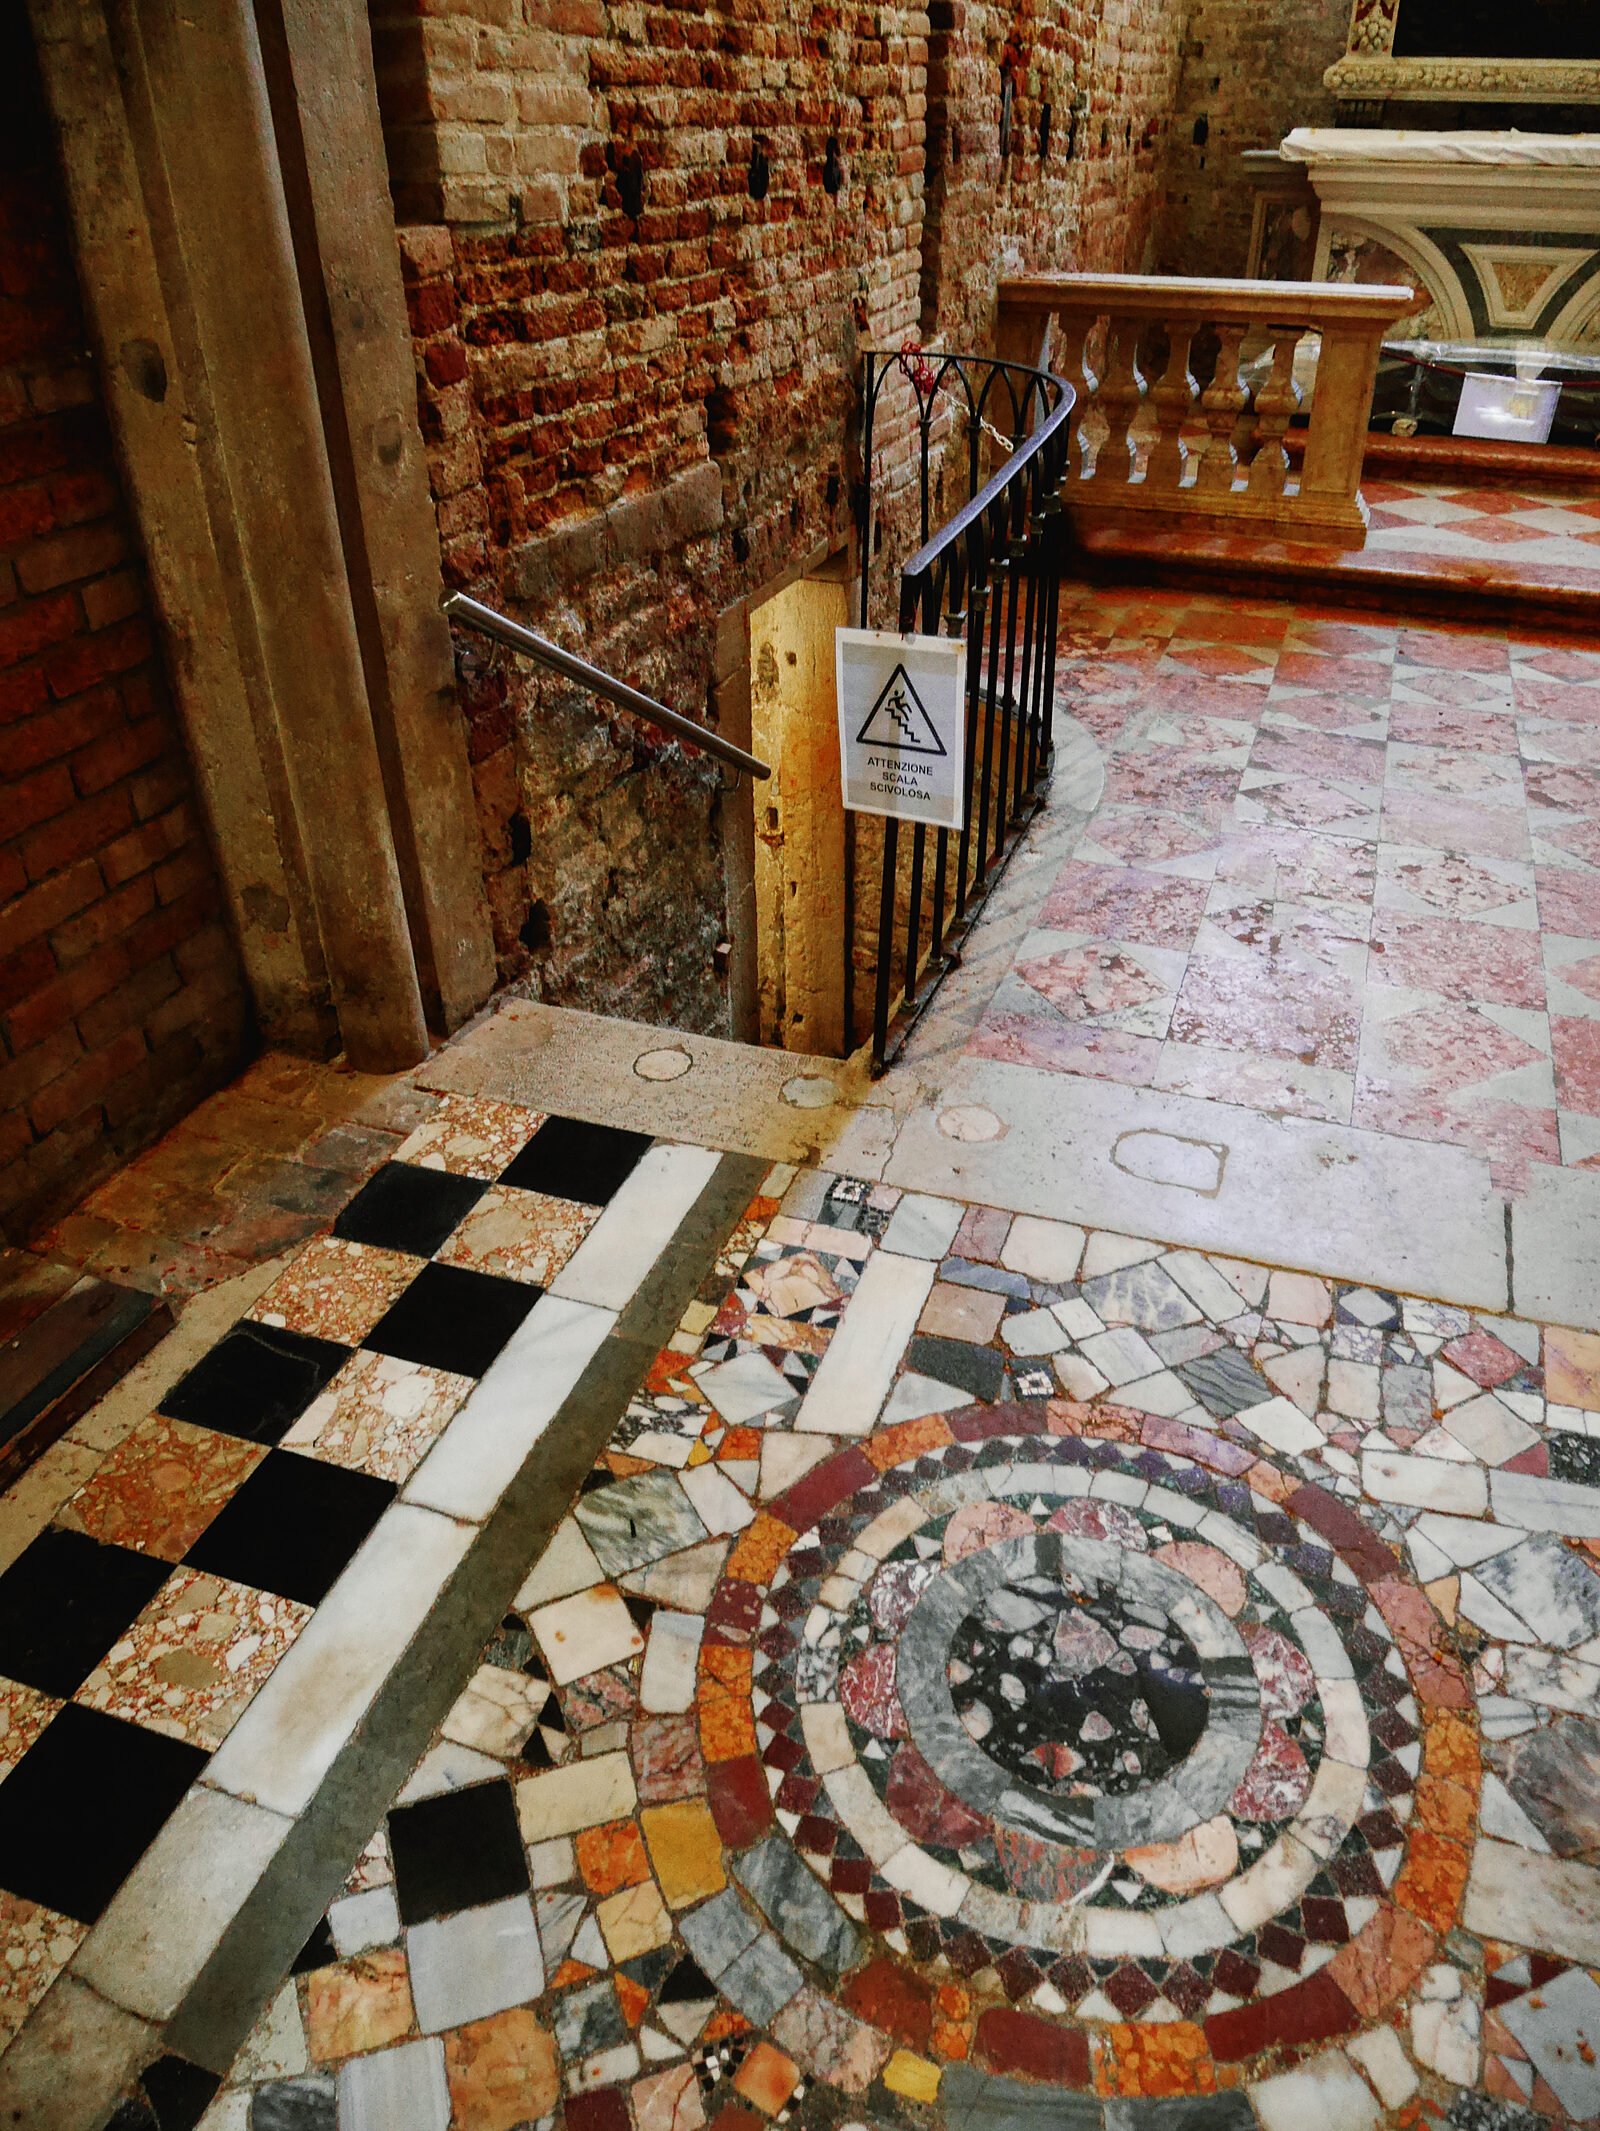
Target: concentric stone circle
1242,1861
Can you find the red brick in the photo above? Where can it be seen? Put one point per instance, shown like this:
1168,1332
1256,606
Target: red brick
161,786
46,1011
25,971
32,915
129,1006
13,876
113,599
38,625
118,754
64,558
84,495
22,692
108,919
27,800
190,868
89,825
62,728
85,1086
145,846
96,657
166,928
25,511
41,1063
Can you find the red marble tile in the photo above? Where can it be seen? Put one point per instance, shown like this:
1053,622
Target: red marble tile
1166,774
1570,787
1098,1054
1456,959
1021,2044
1487,1360
1266,1004
823,1488
1222,625
923,1806
740,1803
1575,1046
1125,903
1496,532
1149,837
1318,754
1453,725
1444,1049
1569,901
1456,887
1328,713
891,1997
1340,639
1220,661
1316,2010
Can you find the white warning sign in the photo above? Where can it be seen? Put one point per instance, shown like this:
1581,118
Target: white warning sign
902,724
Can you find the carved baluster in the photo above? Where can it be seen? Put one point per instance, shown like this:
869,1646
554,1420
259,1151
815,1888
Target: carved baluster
1069,358
1121,396
1222,403
1276,402
1172,400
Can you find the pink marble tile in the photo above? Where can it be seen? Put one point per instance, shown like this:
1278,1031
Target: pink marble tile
1571,788
1575,1046
1582,976
1328,713
1150,837
1442,1049
1456,773
1221,661
1266,1004
1083,983
1206,698
1058,1047
1557,699
1580,838
1453,653
1341,639
1508,1135
1445,823
1318,754
1453,725
1292,864
1125,903
1332,934
1167,775
1456,959
1277,1085
1368,679
1456,887
1569,901
1312,803
1563,665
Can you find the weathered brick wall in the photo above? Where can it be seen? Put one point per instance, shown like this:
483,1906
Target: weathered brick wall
1252,70
644,247
121,999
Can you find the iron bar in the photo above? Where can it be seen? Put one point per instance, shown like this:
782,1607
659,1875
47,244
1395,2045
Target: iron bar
473,614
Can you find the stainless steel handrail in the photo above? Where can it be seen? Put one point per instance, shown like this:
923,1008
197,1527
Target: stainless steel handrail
475,615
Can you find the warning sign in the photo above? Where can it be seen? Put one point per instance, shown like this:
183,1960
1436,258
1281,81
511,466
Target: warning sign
902,724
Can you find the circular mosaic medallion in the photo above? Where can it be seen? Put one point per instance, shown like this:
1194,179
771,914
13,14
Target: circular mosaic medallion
1120,1741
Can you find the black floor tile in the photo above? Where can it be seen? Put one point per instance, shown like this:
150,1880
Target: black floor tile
576,1161
456,1851
292,1526
63,1603
1574,1457
979,1370
453,1318
256,1382
172,2095
403,1208
84,1804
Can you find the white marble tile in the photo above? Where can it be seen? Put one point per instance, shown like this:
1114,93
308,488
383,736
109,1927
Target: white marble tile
923,1227
560,1801
666,1683
1280,1422
478,1962
1425,1483
581,1633
745,1388
403,2089
1043,1250
719,1505
1328,2092
483,1449
850,1386
567,1564
1545,1903
361,1921
1546,1505
283,1745
636,1227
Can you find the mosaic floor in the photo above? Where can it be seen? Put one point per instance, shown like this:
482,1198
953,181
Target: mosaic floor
997,1675
1340,871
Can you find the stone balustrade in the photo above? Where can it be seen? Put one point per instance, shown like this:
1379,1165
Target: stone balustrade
1187,390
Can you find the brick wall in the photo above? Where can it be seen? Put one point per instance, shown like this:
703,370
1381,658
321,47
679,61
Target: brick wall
121,1000
644,248
1252,70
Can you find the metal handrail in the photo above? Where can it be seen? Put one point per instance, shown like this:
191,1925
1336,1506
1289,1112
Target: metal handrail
473,614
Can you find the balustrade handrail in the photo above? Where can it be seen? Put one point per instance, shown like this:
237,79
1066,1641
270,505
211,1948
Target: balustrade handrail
488,621
1161,445
1220,301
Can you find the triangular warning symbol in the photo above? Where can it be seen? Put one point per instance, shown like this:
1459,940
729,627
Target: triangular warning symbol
899,719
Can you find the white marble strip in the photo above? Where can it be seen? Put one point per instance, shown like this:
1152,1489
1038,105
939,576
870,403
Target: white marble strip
286,1741
858,1368
636,1227
483,1449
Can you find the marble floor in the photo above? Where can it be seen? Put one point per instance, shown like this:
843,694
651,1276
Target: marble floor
1000,1674
1339,870
1535,530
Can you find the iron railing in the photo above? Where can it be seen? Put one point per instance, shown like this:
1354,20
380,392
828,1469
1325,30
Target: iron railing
992,575
473,614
